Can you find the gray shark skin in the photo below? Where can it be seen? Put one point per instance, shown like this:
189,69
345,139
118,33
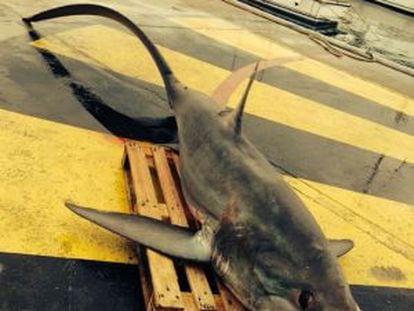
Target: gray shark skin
260,238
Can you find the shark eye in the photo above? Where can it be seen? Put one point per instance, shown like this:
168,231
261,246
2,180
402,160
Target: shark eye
306,299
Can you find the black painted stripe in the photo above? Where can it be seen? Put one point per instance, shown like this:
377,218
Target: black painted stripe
43,283
38,283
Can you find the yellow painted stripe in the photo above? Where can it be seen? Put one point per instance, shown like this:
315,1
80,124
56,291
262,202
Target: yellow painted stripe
313,117
42,164
381,229
123,54
230,34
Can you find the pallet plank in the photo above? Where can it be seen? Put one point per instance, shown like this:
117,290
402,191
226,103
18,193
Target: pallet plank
145,177
170,193
143,273
135,175
198,281
166,291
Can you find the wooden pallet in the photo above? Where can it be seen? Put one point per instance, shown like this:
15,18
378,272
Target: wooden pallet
153,189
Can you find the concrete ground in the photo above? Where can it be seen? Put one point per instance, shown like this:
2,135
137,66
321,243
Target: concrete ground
340,129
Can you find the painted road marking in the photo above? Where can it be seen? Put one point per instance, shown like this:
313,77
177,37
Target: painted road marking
44,163
240,38
380,228
123,54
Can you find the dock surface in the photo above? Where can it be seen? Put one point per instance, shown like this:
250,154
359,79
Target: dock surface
341,130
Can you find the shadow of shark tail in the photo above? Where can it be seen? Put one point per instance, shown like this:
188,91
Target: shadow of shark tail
167,75
154,130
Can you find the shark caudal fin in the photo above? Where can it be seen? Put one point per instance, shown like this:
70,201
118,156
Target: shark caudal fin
168,239
235,117
92,9
338,248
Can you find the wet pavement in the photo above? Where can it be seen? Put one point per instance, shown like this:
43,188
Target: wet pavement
339,129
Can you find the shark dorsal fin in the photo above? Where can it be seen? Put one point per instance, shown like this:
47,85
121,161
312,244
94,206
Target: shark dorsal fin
235,118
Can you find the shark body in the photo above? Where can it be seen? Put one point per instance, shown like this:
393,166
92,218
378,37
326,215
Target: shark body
258,235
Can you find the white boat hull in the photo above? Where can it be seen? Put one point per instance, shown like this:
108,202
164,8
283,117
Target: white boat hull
329,9
404,5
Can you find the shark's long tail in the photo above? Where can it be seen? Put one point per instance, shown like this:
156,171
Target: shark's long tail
92,9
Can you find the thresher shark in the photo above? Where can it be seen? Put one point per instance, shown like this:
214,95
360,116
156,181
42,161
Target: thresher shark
258,235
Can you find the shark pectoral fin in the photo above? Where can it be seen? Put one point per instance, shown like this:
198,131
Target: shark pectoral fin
340,247
165,238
